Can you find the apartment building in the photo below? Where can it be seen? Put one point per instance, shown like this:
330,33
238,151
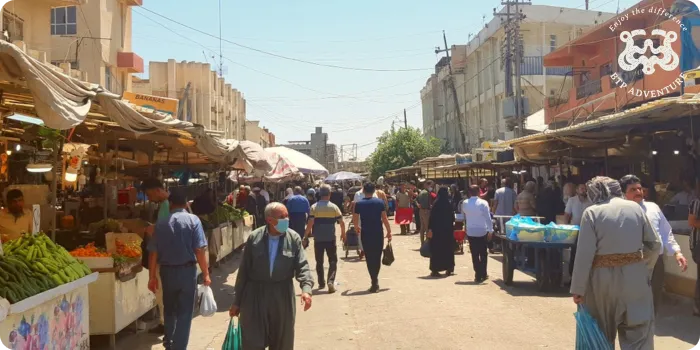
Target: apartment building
599,85
318,148
206,98
260,135
93,37
479,76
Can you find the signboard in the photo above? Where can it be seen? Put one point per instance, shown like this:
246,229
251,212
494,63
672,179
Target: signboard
160,104
60,323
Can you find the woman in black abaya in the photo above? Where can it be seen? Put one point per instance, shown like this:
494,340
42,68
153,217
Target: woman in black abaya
441,234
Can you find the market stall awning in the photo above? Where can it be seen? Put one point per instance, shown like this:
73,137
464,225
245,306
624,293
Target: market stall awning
63,102
301,161
344,176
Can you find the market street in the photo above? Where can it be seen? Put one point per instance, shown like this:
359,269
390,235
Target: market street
414,311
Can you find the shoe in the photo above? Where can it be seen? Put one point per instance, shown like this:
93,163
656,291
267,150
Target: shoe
331,288
159,329
321,286
449,273
477,279
434,274
484,278
374,289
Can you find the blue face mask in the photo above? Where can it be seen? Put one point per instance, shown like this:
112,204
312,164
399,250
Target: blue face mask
282,225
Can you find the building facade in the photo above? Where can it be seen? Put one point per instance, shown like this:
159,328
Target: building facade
599,85
479,76
93,37
260,135
318,148
206,98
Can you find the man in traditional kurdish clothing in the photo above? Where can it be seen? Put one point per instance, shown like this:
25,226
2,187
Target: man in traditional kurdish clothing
264,293
617,249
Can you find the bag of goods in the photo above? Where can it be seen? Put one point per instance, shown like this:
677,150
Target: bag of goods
562,233
525,229
34,264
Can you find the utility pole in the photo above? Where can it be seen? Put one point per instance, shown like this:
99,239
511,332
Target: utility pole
451,82
405,121
586,5
514,53
221,55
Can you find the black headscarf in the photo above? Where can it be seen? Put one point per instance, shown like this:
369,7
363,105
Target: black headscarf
443,200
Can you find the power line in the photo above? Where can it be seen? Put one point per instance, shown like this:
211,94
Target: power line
282,56
334,95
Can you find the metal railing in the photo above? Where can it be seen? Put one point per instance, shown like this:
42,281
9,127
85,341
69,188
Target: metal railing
553,101
534,65
588,88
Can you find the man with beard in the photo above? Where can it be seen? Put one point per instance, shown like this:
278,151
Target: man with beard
14,220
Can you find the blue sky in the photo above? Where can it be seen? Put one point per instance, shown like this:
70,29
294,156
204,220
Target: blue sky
291,98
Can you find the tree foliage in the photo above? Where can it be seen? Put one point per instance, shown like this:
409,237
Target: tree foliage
397,149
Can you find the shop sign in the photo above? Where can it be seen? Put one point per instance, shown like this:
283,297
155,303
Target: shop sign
157,103
61,323
647,55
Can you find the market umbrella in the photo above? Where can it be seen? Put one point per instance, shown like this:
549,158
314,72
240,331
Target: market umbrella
588,334
343,176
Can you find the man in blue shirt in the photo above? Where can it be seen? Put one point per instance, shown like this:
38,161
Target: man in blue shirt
299,208
178,245
370,213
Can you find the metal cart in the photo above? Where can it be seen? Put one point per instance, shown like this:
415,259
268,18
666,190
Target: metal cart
543,260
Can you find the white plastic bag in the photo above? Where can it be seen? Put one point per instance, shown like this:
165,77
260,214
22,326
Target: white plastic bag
207,304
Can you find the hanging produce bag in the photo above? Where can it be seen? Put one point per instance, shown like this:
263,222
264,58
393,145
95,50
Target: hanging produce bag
425,249
233,337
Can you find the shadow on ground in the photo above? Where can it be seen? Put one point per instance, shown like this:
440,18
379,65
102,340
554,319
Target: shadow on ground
676,320
349,293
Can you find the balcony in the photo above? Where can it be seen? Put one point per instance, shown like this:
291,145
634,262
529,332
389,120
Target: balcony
589,88
554,101
533,65
130,61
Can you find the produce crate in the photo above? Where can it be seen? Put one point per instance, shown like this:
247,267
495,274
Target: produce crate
95,263
44,316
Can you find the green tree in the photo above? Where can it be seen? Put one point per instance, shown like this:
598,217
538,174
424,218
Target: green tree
401,148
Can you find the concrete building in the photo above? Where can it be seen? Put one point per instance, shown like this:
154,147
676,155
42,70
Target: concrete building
94,37
479,76
210,101
260,135
318,148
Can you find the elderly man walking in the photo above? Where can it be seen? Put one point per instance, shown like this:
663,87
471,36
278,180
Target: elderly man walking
617,249
324,216
298,208
632,187
178,245
264,294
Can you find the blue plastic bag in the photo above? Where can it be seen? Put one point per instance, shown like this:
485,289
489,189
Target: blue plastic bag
233,337
588,334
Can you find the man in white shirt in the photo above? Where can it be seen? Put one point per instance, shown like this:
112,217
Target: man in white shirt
479,228
575,207
633,191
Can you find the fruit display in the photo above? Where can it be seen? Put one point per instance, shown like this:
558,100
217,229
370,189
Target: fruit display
90,251
34,264
128,250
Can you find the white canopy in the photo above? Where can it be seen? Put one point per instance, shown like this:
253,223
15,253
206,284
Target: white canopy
63,102
301,161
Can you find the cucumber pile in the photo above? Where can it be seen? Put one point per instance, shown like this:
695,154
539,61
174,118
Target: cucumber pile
34,264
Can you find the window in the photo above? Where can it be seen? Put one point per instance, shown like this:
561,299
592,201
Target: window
63,21
12,26
605,69
552,42
108,78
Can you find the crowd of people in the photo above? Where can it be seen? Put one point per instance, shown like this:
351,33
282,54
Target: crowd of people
616,266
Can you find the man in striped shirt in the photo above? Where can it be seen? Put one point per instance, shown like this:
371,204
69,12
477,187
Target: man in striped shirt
322,219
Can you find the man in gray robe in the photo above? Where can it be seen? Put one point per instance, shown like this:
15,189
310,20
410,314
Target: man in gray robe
617,250
264,292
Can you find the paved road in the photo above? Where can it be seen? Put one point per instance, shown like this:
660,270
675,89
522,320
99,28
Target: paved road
414,311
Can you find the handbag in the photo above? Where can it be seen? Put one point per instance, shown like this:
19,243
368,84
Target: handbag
233,337
388,258
425,249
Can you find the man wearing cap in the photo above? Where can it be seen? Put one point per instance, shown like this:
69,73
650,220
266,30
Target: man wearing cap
324,215
368,216
176,248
